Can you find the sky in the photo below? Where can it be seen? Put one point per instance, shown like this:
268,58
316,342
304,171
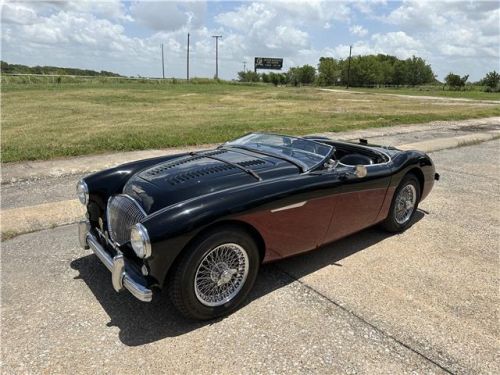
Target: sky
462,37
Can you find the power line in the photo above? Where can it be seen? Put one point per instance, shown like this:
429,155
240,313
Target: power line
216,55
187,62
349,66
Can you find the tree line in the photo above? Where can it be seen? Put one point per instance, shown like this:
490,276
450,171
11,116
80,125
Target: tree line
7,68
491,81
366,71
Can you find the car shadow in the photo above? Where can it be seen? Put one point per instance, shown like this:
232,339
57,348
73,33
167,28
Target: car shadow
141,323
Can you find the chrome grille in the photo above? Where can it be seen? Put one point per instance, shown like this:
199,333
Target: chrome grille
123,212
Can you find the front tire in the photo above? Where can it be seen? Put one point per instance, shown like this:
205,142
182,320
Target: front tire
404,205
215,274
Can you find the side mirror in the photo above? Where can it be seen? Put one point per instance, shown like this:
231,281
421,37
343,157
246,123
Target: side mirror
360,171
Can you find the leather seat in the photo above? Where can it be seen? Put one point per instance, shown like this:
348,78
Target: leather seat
355,159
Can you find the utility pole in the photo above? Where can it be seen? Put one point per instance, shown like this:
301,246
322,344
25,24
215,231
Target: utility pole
349,67
187,70
162,62
216,55
244,66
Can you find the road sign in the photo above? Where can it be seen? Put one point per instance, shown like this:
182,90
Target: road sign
268,63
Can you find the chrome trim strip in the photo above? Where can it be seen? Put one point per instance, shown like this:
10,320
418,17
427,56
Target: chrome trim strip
295,205
120,277
100,252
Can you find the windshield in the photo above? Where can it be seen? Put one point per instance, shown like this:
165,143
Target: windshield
303,152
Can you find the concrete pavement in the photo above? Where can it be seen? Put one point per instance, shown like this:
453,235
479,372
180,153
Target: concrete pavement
425,301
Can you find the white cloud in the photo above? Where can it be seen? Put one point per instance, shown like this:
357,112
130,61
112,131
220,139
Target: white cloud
18,13
453,32
394,43
264,29
168,15
125,37
358,30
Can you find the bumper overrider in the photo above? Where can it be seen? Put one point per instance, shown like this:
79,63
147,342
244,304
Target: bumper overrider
120,278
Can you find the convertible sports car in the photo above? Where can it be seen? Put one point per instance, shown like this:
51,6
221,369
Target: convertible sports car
201,223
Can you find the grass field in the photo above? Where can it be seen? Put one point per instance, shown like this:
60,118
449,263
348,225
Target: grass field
44,121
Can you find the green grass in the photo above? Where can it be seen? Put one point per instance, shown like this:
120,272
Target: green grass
45,121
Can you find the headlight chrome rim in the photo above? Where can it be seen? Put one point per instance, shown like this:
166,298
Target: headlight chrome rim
82,192
144,251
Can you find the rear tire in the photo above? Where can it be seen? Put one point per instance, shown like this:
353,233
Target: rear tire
215,274
404,205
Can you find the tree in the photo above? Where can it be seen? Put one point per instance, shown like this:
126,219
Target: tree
418,72
301,75
329,71
455,82
274,78
491,80
248,76
308,74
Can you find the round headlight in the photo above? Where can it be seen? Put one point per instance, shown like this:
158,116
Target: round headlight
139,239
82,191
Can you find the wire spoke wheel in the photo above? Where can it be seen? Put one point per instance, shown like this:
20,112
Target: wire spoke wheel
405,204
221,274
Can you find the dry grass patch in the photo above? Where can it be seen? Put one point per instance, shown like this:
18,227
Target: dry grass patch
56,121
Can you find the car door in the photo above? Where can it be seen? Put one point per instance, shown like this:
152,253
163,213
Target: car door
356,201
292,225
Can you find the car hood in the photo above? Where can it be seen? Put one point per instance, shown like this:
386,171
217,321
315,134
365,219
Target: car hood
201,173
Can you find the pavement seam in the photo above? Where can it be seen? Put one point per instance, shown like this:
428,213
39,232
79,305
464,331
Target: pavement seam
361,319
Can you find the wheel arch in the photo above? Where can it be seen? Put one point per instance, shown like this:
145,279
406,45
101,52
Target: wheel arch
417,172
228,223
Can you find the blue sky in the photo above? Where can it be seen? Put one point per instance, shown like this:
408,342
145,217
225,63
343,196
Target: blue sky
125,37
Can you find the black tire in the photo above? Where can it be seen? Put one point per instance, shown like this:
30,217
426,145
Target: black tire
182,279
390,224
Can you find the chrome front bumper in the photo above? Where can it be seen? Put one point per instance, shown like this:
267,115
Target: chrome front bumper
119,277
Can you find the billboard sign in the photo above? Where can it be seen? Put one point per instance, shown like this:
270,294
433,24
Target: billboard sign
268,63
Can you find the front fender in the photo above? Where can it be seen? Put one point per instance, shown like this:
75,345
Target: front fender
405,162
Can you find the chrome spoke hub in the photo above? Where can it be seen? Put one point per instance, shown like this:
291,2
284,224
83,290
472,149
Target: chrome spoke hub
405,204
221,274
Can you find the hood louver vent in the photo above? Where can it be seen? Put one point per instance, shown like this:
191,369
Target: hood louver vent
183,177
251,163
176,163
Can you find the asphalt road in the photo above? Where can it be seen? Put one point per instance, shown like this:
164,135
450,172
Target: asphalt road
425,301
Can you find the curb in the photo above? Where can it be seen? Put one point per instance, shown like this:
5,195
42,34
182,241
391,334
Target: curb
22,220
453,142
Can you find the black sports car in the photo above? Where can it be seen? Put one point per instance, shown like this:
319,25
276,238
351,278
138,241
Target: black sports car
200,224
